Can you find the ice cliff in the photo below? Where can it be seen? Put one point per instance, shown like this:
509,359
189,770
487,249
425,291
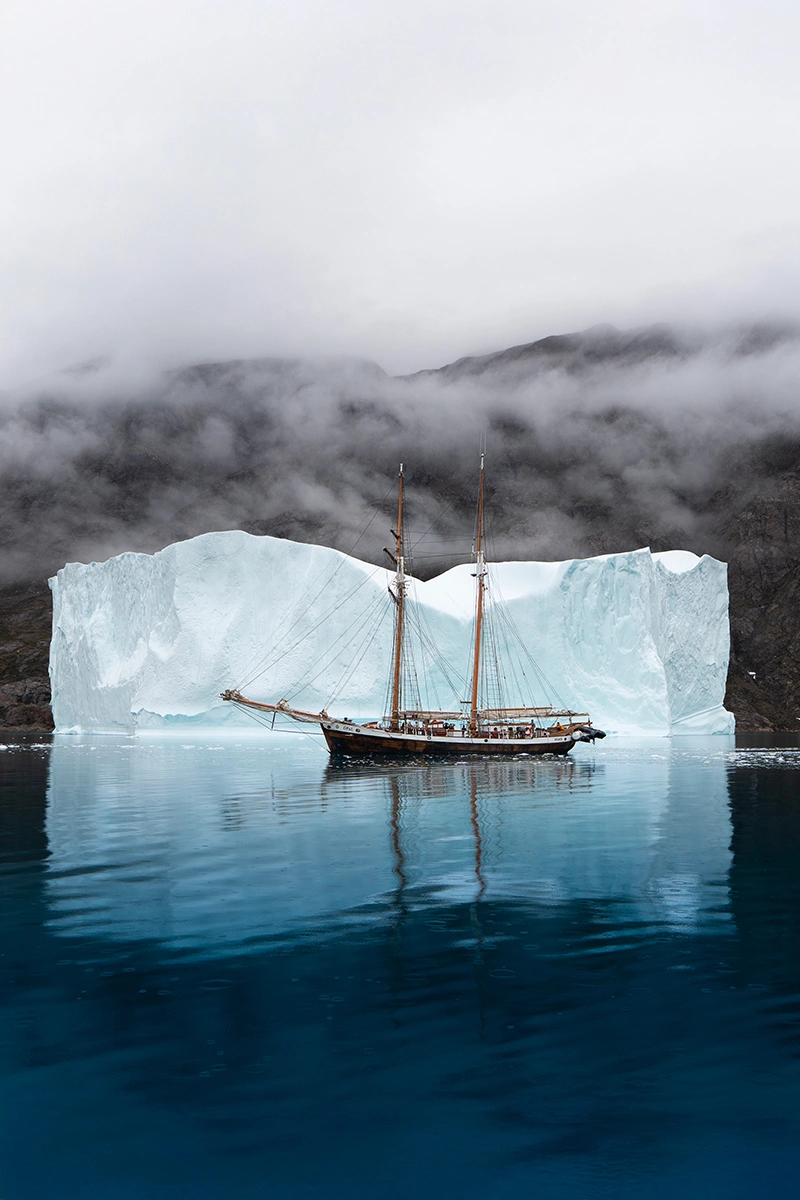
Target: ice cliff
638,640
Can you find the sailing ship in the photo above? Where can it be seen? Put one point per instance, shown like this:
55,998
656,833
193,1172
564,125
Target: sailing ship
474,728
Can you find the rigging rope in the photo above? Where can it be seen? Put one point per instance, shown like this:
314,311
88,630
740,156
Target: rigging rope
439,515
269,663
254,663
355,663
355,626
550,691
499,669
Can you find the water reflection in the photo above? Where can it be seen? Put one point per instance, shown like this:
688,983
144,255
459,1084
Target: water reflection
764,877
226,846
240,970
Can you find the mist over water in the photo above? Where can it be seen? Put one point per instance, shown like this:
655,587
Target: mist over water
597,442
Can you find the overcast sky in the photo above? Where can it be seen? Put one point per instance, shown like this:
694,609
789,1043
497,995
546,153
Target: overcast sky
409,181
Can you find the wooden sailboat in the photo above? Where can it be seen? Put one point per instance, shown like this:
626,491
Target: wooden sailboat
471,729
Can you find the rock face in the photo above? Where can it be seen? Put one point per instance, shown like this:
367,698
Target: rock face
764,683
149,641
25,620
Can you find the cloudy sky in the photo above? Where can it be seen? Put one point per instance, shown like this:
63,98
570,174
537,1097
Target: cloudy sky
409,181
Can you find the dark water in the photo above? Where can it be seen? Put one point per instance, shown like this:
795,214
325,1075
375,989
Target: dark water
234,970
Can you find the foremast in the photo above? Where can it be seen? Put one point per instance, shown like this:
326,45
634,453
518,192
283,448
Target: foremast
400,585
480,577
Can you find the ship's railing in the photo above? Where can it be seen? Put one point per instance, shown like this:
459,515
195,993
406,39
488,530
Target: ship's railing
494,716
413,722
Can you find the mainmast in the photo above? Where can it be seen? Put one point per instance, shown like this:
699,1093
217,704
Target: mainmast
399,596
480,575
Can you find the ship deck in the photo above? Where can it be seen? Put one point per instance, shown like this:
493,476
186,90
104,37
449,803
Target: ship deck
348,739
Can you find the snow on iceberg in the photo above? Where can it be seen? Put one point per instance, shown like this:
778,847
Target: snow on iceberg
143,641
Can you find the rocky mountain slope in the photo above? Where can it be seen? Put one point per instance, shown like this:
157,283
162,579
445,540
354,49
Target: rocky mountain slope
598,442
25,614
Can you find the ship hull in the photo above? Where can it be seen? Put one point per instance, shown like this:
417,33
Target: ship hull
356,741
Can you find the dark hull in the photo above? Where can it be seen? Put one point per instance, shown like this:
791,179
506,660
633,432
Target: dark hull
355,743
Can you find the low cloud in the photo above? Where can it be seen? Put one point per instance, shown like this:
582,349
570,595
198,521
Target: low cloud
598,442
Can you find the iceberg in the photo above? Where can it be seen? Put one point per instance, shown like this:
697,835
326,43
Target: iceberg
148,642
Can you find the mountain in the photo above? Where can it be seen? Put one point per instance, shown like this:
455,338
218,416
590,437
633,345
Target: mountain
600,441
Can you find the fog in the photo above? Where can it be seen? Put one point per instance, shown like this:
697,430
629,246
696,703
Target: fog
330,199
408,182
597,442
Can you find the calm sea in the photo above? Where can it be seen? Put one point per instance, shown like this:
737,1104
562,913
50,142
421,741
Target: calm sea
231,969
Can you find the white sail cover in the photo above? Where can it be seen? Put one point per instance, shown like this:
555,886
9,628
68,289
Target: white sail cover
639,640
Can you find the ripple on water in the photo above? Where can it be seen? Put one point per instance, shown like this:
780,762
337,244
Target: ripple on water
615,1051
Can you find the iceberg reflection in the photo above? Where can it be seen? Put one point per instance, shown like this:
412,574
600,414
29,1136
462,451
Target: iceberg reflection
210,847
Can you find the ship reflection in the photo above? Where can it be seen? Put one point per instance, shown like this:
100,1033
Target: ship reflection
395,825
479,789
475,783
522,775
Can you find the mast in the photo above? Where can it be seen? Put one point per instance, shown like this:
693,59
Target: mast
399,596
480,575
